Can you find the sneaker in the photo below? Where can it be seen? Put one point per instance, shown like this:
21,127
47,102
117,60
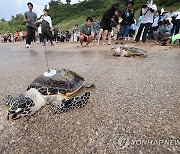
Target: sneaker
27,46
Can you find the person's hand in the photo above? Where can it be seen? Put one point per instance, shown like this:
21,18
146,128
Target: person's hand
132,11
27,20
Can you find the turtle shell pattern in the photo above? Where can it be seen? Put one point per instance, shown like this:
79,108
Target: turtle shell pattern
64,82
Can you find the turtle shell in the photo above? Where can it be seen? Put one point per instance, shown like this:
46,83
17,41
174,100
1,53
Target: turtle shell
131,51
64,82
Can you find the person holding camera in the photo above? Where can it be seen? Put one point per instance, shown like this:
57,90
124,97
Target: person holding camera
31,19
128,19
105,24
164,30
147,20
172,14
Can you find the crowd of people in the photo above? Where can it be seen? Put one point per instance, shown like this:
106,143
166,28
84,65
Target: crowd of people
116,24
18,36
121,25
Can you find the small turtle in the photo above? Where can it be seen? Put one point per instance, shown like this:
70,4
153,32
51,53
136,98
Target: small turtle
56,87
126,51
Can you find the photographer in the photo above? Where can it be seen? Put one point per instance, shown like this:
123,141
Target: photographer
164,30
172,15
147,20
128,18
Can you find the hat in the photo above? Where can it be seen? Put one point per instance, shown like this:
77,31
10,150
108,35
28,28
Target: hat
130,1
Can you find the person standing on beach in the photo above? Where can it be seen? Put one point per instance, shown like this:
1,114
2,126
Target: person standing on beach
128,19
31,19
47,28
147,12
105,24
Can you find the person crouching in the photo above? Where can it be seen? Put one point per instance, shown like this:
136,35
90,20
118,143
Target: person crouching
86,32
164,30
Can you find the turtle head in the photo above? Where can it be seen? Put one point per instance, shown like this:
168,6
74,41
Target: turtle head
25,105
20,108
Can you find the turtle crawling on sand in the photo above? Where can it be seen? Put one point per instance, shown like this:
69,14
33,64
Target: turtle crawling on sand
56,87
126,51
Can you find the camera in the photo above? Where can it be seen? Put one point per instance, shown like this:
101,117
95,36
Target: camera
145,4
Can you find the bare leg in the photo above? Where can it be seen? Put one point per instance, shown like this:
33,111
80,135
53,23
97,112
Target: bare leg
90,39
104,36
99,35
81,39
109,38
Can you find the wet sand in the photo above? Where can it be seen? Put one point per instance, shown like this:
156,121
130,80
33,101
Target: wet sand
135,97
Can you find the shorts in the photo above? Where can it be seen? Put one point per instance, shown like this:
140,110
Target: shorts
124,30
105,26
85,38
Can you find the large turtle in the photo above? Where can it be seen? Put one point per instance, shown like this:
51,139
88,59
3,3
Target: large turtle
126,51
56,87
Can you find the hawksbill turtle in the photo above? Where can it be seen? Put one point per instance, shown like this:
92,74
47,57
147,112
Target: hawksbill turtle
126,51
56,87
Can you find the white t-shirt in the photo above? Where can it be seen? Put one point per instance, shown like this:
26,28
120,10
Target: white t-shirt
48,19
178,13
156,20
39,30
148,17
170,15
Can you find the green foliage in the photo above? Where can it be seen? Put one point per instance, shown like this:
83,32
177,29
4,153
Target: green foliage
15,24
65,15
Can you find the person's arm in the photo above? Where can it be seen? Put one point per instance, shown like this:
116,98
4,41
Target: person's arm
152,8
50,22
25,18
83,34
169,27
92,33
36,21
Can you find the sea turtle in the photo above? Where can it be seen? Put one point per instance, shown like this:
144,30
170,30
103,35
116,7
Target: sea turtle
126,51
55,87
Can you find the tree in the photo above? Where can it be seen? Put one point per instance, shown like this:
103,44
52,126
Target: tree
3,20
68,1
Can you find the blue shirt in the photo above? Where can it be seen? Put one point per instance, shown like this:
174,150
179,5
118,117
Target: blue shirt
163,29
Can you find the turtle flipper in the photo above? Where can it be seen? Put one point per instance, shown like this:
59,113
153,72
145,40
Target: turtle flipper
9,100
72,103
